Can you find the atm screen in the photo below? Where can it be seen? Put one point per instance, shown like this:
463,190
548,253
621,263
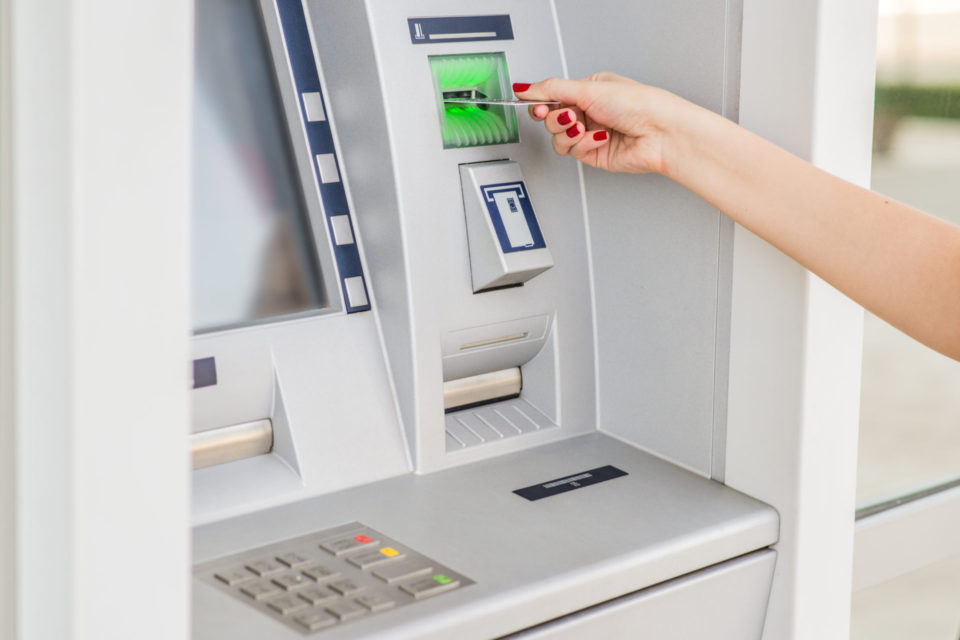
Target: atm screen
253,253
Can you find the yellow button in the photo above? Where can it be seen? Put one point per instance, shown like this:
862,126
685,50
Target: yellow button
389,552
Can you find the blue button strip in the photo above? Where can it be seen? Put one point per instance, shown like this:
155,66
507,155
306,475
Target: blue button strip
306,79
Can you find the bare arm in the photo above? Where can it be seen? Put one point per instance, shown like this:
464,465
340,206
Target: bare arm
901,264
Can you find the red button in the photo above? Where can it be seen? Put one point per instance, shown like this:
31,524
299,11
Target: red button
363,539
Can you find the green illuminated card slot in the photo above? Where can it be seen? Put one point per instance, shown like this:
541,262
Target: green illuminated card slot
473,76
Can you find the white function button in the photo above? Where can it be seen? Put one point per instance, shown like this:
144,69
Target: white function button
356,292
327,163
342,233
313,105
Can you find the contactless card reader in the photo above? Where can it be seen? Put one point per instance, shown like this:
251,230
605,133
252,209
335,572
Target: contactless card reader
506,244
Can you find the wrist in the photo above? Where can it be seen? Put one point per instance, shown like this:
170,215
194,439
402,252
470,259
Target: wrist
675,121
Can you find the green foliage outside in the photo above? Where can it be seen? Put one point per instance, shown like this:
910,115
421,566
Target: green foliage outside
925,102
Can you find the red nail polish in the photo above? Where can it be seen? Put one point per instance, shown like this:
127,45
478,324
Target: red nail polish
564,118
573,131
520,87
600,135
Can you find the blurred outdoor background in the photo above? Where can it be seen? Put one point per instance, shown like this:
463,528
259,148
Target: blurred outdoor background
910,402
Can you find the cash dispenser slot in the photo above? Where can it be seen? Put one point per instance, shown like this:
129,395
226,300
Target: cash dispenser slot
499,381
479,390
232,443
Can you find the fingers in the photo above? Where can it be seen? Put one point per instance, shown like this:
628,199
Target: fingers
538,111
585,149
572,92
567,124
561,119
576,141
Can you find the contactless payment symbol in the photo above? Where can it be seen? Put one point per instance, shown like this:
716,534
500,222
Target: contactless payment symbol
512,215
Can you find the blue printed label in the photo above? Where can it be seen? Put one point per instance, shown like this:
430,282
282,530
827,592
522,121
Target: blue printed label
511,213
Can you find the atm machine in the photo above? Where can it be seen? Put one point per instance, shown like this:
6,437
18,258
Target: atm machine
448,384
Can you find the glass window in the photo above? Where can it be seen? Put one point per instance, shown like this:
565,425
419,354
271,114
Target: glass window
920,605
910,403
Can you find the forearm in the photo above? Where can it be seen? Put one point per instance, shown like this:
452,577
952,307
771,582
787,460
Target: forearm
899,263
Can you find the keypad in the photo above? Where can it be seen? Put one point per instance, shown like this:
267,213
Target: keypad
265,567
235,576
330,578
395,572
315,619
376,601
320,573
430,585
318,595
292,581
260,590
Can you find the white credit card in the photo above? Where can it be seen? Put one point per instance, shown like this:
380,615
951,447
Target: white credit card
500,101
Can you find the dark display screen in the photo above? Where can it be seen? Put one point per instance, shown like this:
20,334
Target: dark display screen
253,251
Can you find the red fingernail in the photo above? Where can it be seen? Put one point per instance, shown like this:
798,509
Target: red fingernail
600,135
520,87
573,131
564,118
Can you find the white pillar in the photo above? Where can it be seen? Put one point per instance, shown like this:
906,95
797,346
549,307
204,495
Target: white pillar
7,457
807,84
98,254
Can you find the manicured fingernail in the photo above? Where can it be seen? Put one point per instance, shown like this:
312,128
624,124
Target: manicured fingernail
600,135
520,87
573,131
564,118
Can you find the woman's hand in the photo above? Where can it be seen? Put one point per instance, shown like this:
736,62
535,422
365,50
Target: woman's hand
606,121
899,263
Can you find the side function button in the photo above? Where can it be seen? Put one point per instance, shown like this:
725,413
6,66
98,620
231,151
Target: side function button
261,589
376,601
346,610
314,619
317,595
265,567
367,559
392,573
430,586
286,604
233,577
340,546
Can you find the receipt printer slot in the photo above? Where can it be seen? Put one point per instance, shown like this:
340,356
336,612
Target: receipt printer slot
507,246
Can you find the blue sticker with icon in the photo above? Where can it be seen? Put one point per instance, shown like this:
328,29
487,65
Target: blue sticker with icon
511,213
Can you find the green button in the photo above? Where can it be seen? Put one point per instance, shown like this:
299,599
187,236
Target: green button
442,579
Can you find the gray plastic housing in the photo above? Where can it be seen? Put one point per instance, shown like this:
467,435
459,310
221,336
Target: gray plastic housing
532,562
412,221
622,345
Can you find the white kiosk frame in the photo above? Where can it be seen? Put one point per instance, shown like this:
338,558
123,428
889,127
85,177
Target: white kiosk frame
93,235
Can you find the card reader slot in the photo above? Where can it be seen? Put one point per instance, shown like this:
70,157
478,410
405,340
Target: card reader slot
228,444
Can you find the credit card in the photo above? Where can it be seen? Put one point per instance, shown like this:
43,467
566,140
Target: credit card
498,101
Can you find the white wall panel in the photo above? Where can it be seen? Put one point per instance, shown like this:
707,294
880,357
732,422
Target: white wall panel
807,84
101,115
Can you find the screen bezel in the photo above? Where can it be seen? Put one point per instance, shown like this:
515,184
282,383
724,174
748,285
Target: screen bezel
328,280
243,354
